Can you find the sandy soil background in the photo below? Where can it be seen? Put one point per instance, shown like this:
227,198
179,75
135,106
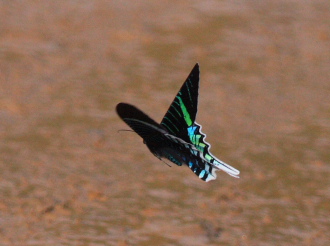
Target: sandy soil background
67,177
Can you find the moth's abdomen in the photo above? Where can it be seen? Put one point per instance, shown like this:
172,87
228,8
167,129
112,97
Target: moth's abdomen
200,167
180,152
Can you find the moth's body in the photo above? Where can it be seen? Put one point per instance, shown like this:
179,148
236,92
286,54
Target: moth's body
178,137
180,153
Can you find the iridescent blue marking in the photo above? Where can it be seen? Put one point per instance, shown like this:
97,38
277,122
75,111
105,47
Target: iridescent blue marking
201,175
190,164
191,130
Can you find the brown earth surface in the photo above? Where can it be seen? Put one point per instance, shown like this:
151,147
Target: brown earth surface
68,177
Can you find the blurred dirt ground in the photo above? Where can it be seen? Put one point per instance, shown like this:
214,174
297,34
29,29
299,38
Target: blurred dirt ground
67,177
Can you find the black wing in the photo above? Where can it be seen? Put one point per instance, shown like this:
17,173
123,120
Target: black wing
141,123
182,112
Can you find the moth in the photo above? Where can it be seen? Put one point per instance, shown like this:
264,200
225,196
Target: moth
178,138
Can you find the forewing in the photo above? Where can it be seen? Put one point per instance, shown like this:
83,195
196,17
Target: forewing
141,123
182,112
